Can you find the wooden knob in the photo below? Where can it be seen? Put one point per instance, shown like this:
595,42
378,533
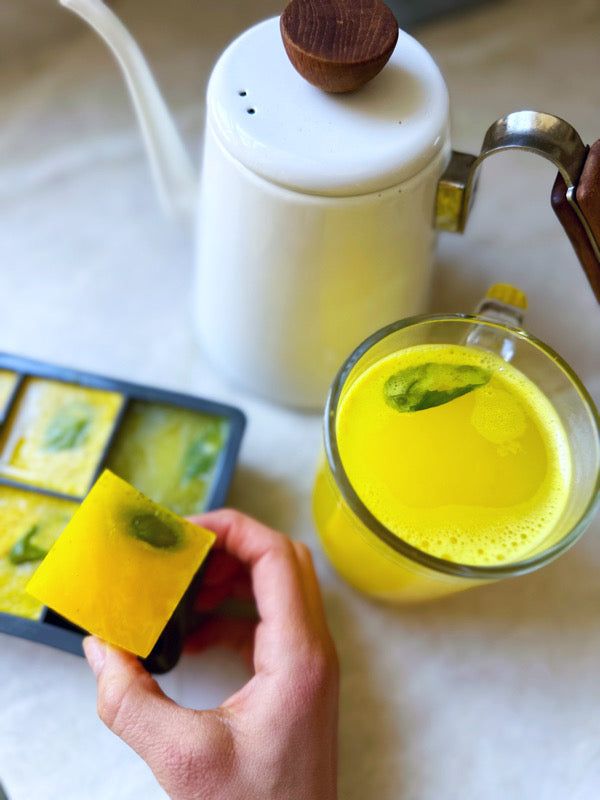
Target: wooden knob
338,45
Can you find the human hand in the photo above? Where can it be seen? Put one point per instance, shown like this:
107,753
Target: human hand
274,739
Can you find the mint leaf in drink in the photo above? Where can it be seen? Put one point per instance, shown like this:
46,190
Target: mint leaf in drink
24,550
432,384
69,427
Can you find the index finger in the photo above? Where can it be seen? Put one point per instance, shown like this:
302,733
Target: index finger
275,572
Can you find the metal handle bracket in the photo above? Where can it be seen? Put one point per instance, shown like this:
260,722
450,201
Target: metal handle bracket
536,132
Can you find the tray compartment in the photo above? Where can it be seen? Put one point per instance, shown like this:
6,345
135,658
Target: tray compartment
170,453
35,520
56,433
9,384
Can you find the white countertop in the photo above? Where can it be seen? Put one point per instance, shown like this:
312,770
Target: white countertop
491,694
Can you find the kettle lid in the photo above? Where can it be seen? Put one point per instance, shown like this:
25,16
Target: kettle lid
291,133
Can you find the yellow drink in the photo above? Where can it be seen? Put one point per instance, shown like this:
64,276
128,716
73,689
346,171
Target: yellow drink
479,479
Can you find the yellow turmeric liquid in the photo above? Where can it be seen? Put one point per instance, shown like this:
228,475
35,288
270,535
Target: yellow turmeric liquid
479,480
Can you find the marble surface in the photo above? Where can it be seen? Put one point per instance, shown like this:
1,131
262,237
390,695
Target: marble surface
490,694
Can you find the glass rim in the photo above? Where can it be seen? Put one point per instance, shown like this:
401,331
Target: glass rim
392,540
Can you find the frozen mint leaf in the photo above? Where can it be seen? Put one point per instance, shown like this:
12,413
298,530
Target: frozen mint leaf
201,455
69,427
154,531
432,384
24,550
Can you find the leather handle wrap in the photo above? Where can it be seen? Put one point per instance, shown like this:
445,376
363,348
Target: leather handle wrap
587,197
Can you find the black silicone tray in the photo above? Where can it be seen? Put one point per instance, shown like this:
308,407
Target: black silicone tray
52,629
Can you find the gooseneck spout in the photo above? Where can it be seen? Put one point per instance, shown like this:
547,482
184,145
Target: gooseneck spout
171,166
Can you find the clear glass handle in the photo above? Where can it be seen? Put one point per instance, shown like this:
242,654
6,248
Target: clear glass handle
506,305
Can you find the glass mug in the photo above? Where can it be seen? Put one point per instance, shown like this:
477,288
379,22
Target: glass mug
377,561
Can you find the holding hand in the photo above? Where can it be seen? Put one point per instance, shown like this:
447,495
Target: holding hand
274,739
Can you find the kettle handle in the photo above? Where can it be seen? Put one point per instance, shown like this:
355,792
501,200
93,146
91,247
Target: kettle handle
574,197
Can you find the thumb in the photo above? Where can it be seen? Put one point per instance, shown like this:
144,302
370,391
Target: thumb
134,707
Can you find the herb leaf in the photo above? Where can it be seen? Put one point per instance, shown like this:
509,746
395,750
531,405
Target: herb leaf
69,427
201,455
154,531
432,384
24,551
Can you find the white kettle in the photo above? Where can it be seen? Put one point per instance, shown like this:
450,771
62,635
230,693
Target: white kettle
316,213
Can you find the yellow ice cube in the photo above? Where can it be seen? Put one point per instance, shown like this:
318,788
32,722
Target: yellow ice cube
121,565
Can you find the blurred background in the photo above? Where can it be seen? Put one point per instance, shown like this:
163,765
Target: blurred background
33,23
46,23
80,225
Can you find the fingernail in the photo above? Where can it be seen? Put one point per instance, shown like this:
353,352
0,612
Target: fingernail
95,652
